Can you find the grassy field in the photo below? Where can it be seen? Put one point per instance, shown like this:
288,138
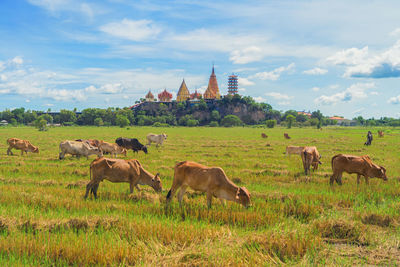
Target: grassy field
294,219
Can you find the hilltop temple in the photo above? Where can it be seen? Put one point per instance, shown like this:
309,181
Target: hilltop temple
212,91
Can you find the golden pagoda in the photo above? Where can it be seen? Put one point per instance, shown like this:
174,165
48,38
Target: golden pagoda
212,91
183,93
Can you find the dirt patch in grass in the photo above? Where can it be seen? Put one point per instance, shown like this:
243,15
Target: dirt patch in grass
147,196
342,232
48,183
80,183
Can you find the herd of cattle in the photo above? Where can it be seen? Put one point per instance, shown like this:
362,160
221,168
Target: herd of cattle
211,180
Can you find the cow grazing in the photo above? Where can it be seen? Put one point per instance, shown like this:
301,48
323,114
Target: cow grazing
286,136
78,149
23,145
120,171
156,138
381,133
112,149
355,164
294,150
310,157
369,139
211,180
91,142
131,143
263,135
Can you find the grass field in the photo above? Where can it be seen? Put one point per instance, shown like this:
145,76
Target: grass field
294,219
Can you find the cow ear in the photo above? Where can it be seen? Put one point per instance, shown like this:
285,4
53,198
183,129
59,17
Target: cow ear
383,168
237,194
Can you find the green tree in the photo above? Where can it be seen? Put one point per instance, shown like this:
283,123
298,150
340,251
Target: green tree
98,122
41,124
67,116
231,120
215,115
122,121
290,119
192,123
270,123
214,124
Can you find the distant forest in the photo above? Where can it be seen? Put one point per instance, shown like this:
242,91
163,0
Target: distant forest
229,111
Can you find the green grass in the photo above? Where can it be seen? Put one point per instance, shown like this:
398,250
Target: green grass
294,219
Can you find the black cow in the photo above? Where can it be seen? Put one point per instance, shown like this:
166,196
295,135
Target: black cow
131,143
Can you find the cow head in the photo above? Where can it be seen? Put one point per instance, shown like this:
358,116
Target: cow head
164,136
382,173
34,149
243,197
97,151
156,183
144,149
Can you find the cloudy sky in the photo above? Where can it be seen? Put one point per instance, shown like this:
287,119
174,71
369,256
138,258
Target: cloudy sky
341,57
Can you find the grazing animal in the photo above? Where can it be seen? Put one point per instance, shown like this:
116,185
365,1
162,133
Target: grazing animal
294,150
112,149
263,135
381,133
78,148
310,157
156,138
120,171
369,139
91,142
286,136
211,180
23,145
355,164
131,143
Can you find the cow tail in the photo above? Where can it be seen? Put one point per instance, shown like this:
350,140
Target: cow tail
169,194
90,172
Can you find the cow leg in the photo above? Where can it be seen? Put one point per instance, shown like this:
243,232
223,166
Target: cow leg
332,179
181,194
175,186
209,199
94,190
222,202
89,186
366,179
358,179
137,187
339,178
9,151
131,186
22,152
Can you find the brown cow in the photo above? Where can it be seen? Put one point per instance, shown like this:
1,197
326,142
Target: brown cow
381,133
355,164
286,136
113,149
310,157
211,180
263,135
294,150
119,171
23,145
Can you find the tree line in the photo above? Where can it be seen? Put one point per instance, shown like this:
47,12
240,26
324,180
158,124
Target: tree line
183,114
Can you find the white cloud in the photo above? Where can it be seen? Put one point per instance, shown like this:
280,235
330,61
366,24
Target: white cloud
244,81
360,63
5,91
17,60
134,30
242,90
2,65
396,32
374,93
259,99
279,96
273,75
315,89
27,101
55,7
111,88
315,71
246,55
354,92
358,111
3,78
394,100
284,103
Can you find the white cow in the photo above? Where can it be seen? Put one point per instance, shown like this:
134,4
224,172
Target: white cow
154,138
78,149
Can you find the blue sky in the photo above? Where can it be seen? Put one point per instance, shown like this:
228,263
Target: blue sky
341,57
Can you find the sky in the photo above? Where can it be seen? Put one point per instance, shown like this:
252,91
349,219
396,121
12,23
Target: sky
339,57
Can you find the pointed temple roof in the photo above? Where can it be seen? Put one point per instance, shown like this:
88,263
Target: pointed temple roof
149,95
183,93
212,91
164,96
195,95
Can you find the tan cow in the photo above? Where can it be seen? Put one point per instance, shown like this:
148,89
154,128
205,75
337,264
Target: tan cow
78,149
263,135
294,150
355,164
120,171
156,138
310,157
286,136
113,149
23,145
211,180
381,133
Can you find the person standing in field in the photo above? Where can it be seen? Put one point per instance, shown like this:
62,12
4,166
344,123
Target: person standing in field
369,139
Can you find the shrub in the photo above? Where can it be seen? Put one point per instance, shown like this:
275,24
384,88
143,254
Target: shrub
98,122
68,123
270,123
214,124
41,124
290,119
192,123
122,121
230,121
159,124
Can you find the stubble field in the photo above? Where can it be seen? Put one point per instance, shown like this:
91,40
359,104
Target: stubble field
294,219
